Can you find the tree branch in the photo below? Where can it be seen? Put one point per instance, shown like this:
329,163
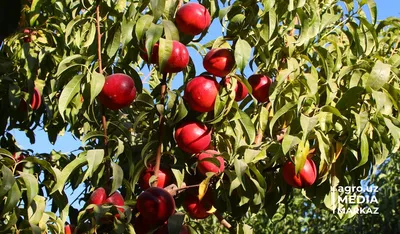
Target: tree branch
224,222
160,130
103,109
99,37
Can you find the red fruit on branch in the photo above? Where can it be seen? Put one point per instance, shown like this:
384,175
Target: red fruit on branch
27,37
69,229
178,60
98,196
205,166
306,176
260,85
154,55
201,92
219,62
240,89
36,99
117,200
118,91
164,178
197,209
156,205
192,18
193,137
18,158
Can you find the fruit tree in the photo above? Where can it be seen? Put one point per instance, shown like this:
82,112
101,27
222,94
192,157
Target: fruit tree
187,111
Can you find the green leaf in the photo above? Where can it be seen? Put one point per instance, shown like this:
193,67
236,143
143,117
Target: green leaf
289,142
157,7
7,180
379,76
350,98
242,54
127,27
94,159
301,155
118,176
248,127
120,5
395,132
66,173
5,152
170,30
31,184
90,135
179,176
96,85
323,146
91,35
373,10
36,210
13,196
307,124
240,170
70,90
364,148
244,229
287,107
164,52
66,63
153,35
142,25
114,41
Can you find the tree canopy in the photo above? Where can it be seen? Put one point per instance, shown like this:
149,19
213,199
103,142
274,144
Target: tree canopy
333,98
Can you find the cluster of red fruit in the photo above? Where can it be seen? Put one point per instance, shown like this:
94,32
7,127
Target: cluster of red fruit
155,204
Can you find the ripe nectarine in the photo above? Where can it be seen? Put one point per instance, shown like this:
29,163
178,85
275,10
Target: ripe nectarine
306,176
193,137
205,166
192,18
260,85
219,62
201,92
118,91
156,205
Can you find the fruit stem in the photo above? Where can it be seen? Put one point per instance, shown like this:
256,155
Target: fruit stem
160,130
224,222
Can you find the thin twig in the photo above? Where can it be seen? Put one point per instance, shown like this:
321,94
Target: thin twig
395,47
99,37
187,187
179,4
224,222
103,109
160,130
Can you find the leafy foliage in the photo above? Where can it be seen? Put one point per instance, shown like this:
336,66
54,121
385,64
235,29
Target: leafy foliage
334,96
